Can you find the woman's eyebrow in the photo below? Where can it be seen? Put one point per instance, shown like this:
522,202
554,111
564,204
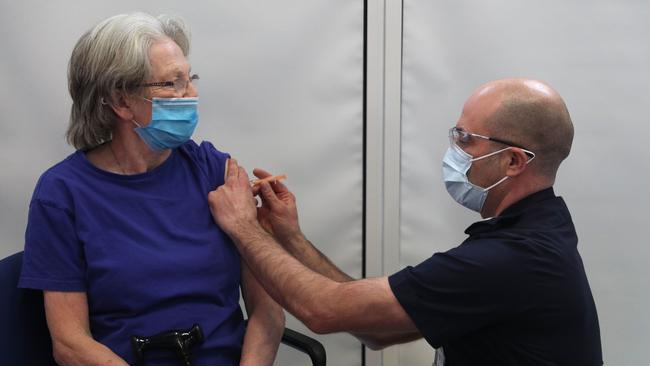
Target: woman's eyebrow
177,72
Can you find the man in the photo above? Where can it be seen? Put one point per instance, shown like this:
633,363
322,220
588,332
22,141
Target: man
514,293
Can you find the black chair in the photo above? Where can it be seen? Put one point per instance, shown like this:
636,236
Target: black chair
25,339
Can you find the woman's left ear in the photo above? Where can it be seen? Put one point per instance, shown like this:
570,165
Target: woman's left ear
122,107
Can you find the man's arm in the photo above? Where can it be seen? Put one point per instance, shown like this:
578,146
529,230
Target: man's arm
363,307
265,322
67,320
303,250
279,216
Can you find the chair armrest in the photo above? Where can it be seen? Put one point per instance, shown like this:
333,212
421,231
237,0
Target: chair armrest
305,344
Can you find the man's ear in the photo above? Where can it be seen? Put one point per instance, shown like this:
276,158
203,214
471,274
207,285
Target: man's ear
518,161
121,105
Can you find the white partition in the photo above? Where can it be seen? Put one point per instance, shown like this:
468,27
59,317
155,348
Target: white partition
597,55
281,88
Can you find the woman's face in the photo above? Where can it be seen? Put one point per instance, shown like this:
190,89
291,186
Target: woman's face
167,64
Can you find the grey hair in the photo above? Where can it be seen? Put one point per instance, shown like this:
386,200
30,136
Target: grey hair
109,61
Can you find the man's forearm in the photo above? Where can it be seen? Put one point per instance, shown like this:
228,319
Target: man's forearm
303,250
277,271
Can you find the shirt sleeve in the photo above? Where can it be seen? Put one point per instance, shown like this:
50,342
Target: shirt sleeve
216,163
454,293
53,258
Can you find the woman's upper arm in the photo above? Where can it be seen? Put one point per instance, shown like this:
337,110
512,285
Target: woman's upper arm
248,290
255,297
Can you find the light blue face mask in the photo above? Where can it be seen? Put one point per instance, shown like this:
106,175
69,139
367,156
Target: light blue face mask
173,121
455,165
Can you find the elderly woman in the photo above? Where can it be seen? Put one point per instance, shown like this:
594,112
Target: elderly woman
120,237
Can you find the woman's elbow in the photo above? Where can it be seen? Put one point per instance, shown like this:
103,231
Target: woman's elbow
270,317
278,319
63,355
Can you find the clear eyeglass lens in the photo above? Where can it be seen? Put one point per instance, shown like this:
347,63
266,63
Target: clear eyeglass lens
181,84
462,136
457,135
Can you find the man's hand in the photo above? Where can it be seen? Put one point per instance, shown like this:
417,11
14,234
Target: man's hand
232,204
297,276
278,213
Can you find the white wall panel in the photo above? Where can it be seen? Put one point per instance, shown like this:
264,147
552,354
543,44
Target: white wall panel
281,88
597,55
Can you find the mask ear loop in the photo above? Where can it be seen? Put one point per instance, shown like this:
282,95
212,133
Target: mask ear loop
496,184
487,156
506,177
136,123
490,154
531,153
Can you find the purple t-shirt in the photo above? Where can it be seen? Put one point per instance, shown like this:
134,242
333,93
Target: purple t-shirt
145,250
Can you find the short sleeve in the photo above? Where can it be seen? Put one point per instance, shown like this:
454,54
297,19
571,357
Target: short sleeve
216,162
454,293
53,258
210,161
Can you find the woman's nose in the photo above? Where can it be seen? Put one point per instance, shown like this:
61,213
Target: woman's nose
191,91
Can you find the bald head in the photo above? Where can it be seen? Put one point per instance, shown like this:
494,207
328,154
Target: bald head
531,114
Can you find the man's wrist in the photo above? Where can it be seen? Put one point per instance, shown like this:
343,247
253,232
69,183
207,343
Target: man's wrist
294,241
246,230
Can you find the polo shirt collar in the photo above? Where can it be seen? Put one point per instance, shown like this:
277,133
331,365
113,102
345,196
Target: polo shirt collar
510,214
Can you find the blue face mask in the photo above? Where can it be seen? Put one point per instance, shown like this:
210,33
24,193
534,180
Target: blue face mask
173,121
455,165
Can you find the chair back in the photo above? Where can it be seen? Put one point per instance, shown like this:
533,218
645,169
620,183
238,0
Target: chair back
24,336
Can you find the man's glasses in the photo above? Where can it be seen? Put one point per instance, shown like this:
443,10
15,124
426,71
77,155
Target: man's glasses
180,85
459,135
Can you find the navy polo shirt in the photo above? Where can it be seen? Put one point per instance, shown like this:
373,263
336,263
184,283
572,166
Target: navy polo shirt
513,293
145,250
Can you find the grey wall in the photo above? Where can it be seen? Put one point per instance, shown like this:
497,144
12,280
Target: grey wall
281,88
597,55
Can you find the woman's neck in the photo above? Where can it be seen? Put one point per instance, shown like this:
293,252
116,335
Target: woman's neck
126,154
